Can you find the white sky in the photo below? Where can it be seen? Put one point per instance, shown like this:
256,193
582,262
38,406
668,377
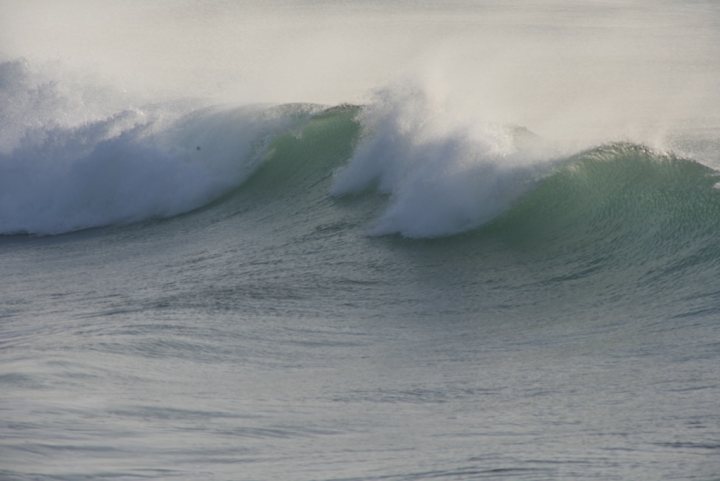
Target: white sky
544,64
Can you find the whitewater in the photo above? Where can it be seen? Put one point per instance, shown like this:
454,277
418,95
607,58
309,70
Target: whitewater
359,240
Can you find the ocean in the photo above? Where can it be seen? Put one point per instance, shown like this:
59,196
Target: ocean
357,240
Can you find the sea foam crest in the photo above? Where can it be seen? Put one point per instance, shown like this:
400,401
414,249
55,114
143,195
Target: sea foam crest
444,174
59,175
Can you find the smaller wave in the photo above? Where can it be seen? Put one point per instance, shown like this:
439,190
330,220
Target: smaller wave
622,193
622,222
444,175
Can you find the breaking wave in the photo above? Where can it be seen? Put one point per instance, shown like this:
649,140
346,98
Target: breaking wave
66,165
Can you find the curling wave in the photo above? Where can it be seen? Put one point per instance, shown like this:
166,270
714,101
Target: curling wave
63,169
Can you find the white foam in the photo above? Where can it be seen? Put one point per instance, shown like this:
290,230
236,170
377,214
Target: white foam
58,174
444,174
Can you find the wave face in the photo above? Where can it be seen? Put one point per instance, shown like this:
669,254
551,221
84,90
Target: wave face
627,224
621,192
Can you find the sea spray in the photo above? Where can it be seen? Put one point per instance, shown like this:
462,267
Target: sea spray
60,171
443,174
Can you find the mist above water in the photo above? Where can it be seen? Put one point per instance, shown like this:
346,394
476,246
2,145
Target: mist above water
564,69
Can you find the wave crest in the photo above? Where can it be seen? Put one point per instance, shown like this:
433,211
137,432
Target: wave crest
444,175
60,174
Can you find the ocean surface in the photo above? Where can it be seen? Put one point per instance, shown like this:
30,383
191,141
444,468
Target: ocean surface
476,270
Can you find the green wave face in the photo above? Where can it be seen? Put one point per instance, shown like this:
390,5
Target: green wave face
625,230
621,195
288,193
305,158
